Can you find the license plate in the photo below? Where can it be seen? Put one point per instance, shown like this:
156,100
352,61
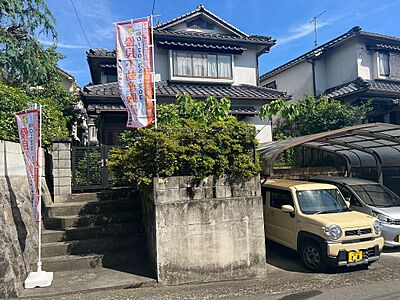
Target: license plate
398,238
354,256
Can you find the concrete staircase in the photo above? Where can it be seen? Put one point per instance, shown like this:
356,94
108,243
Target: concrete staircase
92,230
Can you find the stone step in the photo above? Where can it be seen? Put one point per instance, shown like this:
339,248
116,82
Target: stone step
123,260
93,207
112,194
98,246
70,262
93,232
62,222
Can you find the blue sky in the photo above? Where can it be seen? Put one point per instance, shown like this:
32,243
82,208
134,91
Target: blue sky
285,20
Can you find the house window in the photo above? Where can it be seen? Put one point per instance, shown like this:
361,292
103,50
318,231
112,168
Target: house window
196,64
108,75
271,85
383,58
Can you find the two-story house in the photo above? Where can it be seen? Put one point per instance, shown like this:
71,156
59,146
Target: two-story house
197,53
355,66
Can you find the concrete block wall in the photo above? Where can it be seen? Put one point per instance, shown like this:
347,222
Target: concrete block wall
62,174
208,232
12,161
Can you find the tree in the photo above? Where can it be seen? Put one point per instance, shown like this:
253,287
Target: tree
14,99
24,61
194,138
313,115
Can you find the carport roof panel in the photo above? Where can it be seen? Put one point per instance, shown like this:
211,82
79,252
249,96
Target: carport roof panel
365,145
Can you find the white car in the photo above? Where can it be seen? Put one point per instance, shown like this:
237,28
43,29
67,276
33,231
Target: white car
374,199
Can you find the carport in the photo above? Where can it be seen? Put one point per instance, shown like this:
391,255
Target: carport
369,149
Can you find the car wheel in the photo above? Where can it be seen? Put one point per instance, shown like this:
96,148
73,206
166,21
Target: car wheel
313,257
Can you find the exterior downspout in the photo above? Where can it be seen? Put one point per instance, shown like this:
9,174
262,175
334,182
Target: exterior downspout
312,62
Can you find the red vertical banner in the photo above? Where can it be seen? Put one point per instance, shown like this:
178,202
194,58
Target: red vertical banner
28,124
134,66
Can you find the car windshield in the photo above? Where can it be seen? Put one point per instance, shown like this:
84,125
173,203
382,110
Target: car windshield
321,201
376,195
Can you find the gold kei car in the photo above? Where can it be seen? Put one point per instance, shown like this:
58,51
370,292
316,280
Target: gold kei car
313,219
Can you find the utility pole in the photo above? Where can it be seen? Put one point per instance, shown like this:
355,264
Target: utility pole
314,20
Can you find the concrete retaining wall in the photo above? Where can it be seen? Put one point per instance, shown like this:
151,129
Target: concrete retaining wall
18,229
211,232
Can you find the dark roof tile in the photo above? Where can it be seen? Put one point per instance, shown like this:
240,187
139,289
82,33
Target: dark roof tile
168,89
359,85
201,9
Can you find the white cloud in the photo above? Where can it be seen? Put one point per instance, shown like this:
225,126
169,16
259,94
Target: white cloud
63,45
97,18
301,31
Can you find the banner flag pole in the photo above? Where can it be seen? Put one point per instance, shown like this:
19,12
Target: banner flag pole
39,278
154,70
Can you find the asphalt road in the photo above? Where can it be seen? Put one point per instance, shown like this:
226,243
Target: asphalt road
287,279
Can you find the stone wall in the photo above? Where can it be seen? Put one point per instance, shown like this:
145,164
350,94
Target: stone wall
18,230
208,232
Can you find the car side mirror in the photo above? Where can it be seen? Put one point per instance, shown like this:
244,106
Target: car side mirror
347,199
287,209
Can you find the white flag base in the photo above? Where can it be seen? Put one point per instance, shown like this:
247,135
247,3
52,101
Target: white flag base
38,279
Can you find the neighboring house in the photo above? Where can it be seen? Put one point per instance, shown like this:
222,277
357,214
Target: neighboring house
355,66
196,53
67,81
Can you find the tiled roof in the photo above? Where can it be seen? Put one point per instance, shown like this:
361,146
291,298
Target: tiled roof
199,9
111,66
213,37
168,89
389,87
347,88
101,52
257,39
385,85
100,107
105,107
381,46
313,53
385,41
201,46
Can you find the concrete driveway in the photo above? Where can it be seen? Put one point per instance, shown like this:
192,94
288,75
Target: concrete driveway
287,279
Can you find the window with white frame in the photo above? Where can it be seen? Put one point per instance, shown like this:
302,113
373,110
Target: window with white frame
383,60
198,64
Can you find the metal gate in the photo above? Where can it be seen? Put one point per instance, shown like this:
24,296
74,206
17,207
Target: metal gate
89,168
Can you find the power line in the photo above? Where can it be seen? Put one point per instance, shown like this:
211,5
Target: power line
80,23
152,10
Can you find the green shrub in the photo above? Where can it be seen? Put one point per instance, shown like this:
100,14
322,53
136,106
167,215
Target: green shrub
55,120
194,138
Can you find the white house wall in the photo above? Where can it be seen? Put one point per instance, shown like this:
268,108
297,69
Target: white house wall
245,68
263,127
341,65
296,81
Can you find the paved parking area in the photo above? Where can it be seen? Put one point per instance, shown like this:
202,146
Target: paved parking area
286,279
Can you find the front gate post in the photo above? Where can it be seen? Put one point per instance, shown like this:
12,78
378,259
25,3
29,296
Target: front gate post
61,169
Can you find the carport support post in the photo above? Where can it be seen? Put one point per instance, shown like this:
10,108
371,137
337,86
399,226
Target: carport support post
380,173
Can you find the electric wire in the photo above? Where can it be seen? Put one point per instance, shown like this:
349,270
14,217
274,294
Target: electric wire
80,23
152,10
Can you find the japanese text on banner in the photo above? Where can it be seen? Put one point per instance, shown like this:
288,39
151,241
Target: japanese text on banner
134,65
28,125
